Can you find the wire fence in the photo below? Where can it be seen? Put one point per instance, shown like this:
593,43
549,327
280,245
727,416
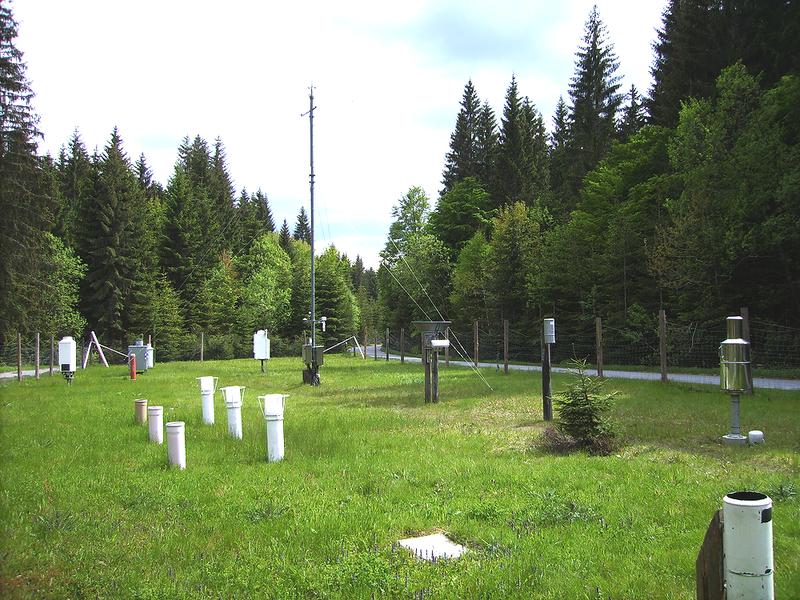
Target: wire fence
687,344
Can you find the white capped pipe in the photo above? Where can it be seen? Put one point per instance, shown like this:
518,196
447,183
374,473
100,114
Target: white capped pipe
155,423
176,444
747,546
207,399
234,418
140,411
272,407
233,393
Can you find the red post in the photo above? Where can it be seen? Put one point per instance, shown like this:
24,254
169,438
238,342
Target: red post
132,363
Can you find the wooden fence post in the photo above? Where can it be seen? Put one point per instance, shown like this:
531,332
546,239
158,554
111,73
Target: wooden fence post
477,345
52,352
37,354
505,346
402,345
375,347
709,574
366,342
386,349
662,343
598,332
202,345
19,356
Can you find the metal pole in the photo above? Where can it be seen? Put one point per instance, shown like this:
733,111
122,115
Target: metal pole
314,365
426,360
736,430
547,399
402,345
447,349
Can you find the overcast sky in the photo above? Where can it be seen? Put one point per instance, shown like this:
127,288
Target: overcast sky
388,80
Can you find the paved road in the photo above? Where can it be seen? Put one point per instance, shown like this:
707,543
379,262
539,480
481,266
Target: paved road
758,382
31,373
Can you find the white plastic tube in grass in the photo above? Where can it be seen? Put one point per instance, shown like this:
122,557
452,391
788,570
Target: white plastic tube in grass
234,398
747,546
272,407
208,387
140,411
155,423
176,444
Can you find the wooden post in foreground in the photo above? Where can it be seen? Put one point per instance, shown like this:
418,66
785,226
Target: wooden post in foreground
598,333
52,352
505,346
477,345
19,357
402,345
709,574
662,343
202,345
37,354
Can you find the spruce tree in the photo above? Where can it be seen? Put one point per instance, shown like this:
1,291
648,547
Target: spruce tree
77,175
485,145
535,152
111,257
508,183
263,211
595,100
560,199
285,237
25,204
462,159
633,116
302,230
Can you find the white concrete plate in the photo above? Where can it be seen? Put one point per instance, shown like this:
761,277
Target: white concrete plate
433,547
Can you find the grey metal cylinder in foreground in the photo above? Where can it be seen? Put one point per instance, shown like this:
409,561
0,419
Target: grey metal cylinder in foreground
747,546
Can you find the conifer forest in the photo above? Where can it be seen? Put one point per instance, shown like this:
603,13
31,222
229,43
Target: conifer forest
683,197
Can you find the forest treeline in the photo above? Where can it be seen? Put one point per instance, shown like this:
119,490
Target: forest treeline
685,197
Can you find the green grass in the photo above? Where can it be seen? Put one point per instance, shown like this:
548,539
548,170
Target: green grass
88,508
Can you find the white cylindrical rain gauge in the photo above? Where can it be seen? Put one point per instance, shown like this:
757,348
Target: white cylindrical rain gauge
747,546
208,386
67,356
233,395
176,444
261,345
155,424
151,356
272,407
549,331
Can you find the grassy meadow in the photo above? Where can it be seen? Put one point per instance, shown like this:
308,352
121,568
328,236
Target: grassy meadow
89,508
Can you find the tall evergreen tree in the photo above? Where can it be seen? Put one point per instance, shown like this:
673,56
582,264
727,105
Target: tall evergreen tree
595,99
302,229
485,145
25,204
633,115
285,237
535,152
76,174
509,179
263,211
560,199
462,159
111,256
